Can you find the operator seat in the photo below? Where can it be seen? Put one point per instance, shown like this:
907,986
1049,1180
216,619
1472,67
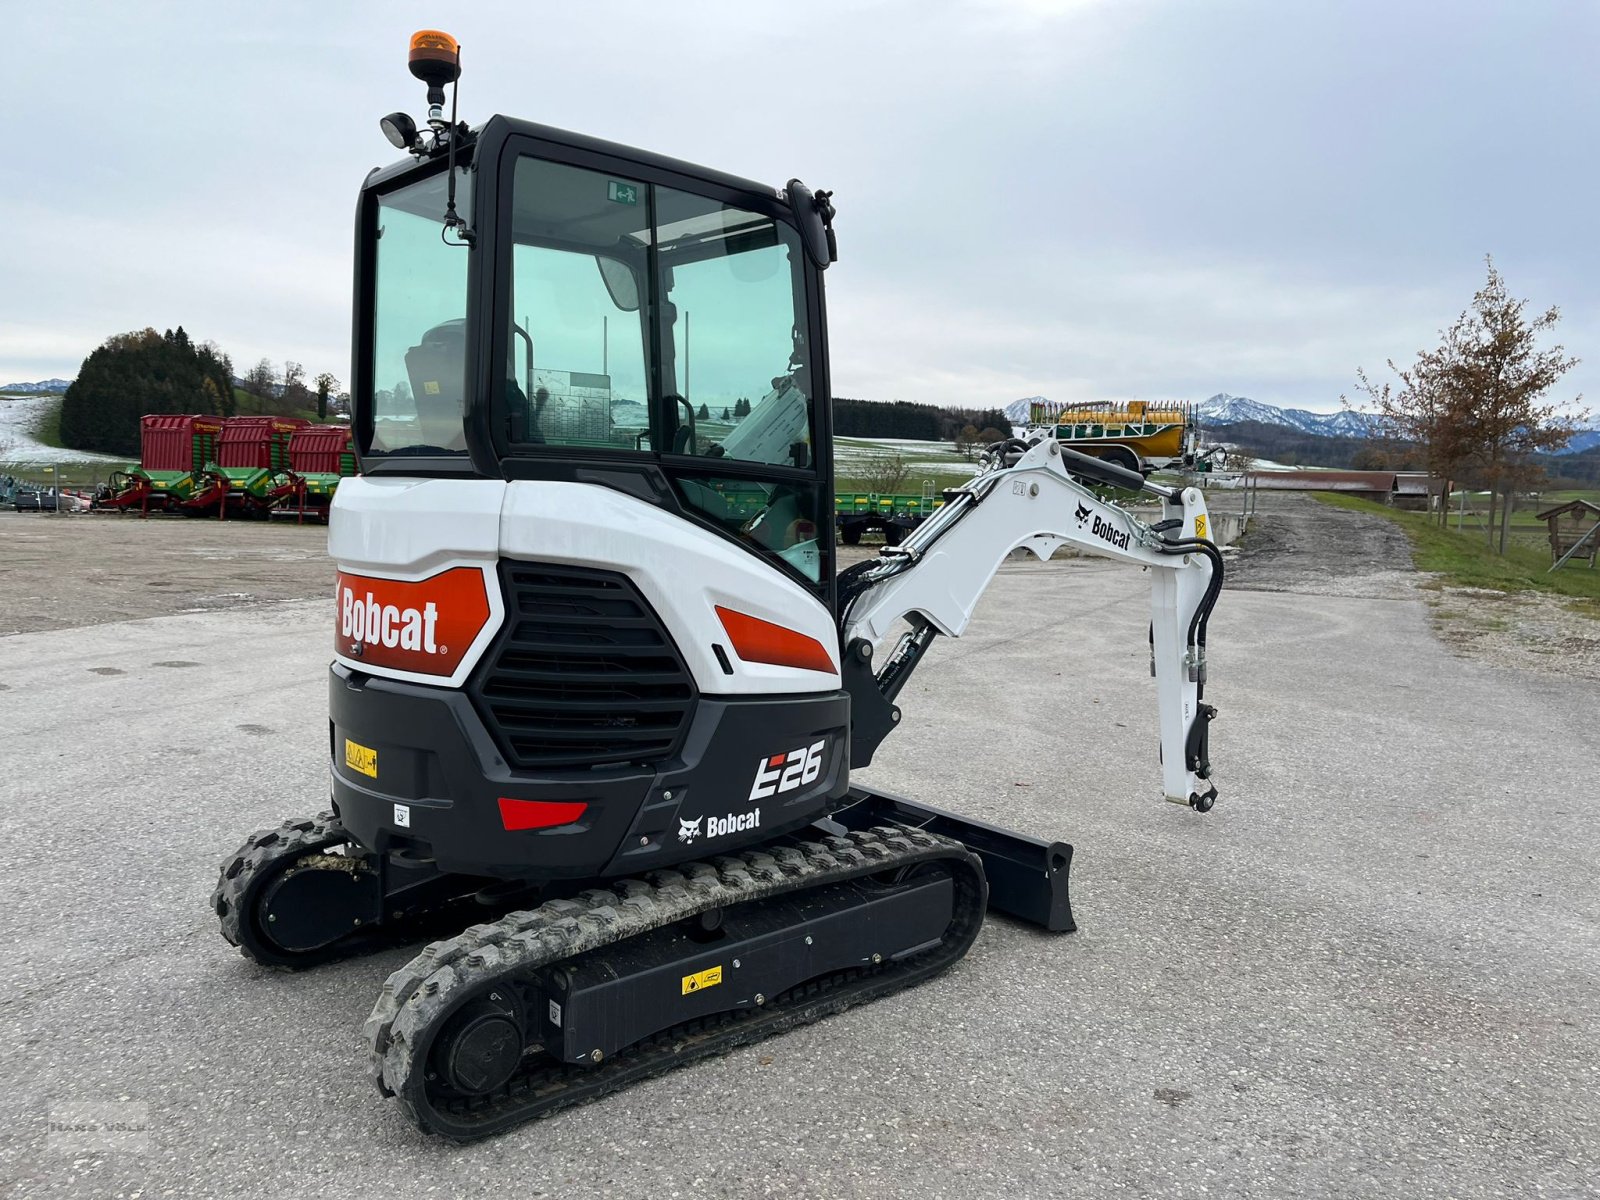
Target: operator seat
437,369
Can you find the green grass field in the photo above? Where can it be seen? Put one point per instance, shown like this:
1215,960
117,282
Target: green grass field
1466,560
1524,517
864,465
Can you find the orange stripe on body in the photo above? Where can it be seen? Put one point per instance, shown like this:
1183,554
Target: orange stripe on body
755,640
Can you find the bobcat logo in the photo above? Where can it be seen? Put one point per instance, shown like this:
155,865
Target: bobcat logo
1083,513
689,830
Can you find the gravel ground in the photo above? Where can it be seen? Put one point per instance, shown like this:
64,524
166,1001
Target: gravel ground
1371,971
1300,544
66,570
1527,631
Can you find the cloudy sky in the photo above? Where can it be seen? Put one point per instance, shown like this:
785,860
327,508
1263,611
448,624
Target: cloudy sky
1062,197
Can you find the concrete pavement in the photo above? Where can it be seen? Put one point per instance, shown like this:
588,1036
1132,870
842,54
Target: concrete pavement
1371,971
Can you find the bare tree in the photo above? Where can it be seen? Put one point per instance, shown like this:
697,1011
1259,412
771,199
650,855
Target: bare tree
884,472
1424,407
261,381
967,441
296,395
1474,402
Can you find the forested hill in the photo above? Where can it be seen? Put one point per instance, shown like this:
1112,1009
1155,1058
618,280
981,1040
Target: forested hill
1294,447
904,419
1285,444
137,373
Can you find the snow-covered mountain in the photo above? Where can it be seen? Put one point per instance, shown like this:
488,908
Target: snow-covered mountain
1017,411
1223,409
42,387
1586,439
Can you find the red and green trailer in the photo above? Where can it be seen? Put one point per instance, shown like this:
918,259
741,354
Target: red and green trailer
175,449
319,457
253,457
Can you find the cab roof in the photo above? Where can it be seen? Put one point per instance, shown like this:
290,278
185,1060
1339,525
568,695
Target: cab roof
498,128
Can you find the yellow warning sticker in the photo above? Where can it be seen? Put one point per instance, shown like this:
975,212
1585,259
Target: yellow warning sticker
701,980
430,387
1200,525
361,758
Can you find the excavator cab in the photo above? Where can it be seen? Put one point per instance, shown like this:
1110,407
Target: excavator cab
605,311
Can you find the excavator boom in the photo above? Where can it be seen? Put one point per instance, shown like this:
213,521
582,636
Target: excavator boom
1028,500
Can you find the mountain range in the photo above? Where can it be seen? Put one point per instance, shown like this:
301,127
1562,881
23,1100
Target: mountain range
1224,409
39,388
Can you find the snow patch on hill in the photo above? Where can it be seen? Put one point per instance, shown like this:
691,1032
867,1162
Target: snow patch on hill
20,417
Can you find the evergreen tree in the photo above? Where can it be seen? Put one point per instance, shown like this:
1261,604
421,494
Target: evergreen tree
704,414
137,373
326,383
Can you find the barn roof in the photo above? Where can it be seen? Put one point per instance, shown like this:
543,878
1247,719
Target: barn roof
1327,481
1417,483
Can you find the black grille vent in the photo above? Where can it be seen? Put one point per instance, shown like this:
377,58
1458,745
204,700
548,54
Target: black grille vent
583,672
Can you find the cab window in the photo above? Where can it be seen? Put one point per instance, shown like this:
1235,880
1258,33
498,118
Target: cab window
648,320
732,310
419,323
576,373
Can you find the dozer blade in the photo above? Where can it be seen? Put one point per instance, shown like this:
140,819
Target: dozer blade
1027,875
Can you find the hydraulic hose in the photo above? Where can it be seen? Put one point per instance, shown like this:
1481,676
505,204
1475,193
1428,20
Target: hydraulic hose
1202,612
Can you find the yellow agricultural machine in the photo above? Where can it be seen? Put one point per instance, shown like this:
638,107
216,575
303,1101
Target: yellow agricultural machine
1135,436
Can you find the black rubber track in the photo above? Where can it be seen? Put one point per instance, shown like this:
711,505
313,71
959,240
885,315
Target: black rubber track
264,856
418,1000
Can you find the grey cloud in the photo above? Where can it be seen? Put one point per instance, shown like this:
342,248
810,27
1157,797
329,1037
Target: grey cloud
1078,199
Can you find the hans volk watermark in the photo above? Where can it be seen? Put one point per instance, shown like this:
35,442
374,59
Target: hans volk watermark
100,1125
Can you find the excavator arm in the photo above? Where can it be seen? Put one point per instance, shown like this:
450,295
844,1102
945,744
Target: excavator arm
1029,498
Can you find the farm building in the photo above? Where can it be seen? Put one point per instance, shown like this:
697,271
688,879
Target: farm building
1368,485
1419,491
1575,524
1407,489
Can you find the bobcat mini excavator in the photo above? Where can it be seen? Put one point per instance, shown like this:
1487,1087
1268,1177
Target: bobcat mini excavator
597,686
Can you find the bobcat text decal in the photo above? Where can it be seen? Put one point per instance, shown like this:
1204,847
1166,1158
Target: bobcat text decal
1108,532
425,627
688,831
